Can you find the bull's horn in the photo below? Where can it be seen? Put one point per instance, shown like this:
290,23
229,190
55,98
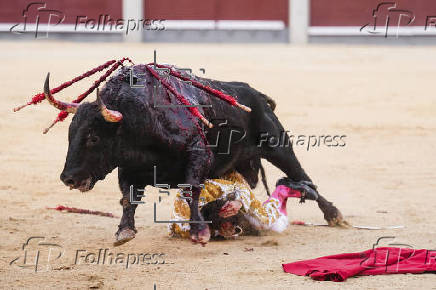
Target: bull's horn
108,115
69,107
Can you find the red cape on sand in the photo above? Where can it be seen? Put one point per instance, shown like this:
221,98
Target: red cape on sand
378,261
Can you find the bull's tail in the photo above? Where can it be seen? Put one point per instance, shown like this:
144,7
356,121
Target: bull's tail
265,183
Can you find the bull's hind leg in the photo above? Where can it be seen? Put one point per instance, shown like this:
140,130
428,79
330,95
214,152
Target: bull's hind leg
283,157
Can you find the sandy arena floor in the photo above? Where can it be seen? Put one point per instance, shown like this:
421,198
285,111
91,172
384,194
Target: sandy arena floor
381,98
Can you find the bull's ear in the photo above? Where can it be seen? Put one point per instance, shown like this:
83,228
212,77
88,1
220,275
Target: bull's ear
135,113
109,115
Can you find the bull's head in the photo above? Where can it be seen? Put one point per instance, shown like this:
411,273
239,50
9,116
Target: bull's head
92,141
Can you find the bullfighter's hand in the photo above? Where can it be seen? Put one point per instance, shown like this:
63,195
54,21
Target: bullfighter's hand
230,208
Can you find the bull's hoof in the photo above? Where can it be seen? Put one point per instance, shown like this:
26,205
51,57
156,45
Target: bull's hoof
123,236
201,236
334,218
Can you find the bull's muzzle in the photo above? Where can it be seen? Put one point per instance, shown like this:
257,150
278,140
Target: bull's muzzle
74,182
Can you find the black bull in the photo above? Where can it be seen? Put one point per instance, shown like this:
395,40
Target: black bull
154,132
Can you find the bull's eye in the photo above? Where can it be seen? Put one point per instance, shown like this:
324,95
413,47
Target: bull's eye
92,140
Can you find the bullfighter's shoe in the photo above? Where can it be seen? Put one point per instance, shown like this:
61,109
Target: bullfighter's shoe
302,189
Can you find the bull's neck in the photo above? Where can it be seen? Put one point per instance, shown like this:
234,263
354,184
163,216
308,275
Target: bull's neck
130,153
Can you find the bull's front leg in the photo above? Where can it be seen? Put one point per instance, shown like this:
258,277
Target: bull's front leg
199,164
200,232
131,190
